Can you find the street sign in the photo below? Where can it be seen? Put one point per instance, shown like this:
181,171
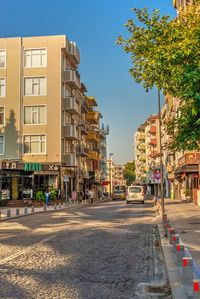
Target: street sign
157,175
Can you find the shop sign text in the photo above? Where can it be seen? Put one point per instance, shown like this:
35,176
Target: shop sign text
32,167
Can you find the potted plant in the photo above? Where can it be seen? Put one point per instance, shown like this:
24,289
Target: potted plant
187,193
40,197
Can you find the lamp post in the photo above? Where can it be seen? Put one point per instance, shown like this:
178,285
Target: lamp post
110,172
161,162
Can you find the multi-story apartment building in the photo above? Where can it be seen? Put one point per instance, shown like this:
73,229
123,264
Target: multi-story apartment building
147,154
182,4
181,168
45,118
152,145
118,177
140,154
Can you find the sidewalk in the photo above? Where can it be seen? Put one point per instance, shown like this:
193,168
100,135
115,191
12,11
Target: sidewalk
185,218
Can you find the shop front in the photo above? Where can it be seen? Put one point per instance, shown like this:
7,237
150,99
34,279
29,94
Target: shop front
20,180
187,176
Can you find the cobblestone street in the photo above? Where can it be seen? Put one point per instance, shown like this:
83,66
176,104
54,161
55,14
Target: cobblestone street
103,251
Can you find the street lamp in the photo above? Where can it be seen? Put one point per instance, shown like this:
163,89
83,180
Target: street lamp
110,172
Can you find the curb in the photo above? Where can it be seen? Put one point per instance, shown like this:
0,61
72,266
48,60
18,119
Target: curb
49,211
177,288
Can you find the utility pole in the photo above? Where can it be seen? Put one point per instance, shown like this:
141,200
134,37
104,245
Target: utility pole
161,160
110,172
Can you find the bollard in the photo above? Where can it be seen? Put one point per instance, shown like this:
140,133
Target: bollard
171,232
59,206
175,241
196,288
188,270
25,211
166,227
33,210
45,208
17,212
180,253
8,213
55,207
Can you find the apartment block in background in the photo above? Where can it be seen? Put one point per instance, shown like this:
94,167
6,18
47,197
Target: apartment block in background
140,154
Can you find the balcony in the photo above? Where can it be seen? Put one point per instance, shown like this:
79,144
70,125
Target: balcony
82,151
72,106
153,141
92,117
70,160
152,129
141,136
170,168
153,154
93,136
72,78
70,132
142,158
93,155
142,147
83,127
74,53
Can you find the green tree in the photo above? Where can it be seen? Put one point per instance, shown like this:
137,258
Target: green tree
165,53
129,172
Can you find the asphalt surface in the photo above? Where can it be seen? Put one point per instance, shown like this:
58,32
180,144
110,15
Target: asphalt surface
109,250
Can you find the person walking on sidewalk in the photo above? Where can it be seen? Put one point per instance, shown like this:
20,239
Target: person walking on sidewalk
91,196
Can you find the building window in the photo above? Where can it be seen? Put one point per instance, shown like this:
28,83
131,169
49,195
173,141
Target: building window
2,87
34,144
35,58
1,145
35,86
2,116
34,115
2,59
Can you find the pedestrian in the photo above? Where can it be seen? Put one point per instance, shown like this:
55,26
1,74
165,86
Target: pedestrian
47,195
91,194
87,195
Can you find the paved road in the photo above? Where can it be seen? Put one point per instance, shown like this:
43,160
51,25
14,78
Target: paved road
104,251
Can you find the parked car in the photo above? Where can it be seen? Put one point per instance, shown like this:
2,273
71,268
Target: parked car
135,194
118,194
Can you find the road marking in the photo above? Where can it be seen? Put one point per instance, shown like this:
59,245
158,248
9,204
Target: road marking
12,257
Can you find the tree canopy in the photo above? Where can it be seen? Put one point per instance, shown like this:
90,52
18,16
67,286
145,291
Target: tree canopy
166,53
129,172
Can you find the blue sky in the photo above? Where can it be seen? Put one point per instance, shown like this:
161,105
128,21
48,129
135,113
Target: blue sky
95,26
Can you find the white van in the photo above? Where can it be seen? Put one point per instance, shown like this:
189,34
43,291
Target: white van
135,194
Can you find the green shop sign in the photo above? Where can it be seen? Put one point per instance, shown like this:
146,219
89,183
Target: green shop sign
32,167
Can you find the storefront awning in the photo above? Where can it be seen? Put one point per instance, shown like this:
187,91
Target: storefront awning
187,169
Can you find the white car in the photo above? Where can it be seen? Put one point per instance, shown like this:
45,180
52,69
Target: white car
135,194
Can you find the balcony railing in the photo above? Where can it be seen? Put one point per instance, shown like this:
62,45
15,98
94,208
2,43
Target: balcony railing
72,106
93,136
70,160
142,147
153,141
82,151
93,155
152,129
70,132
141,136
142,158
74,53
72,78
92,117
